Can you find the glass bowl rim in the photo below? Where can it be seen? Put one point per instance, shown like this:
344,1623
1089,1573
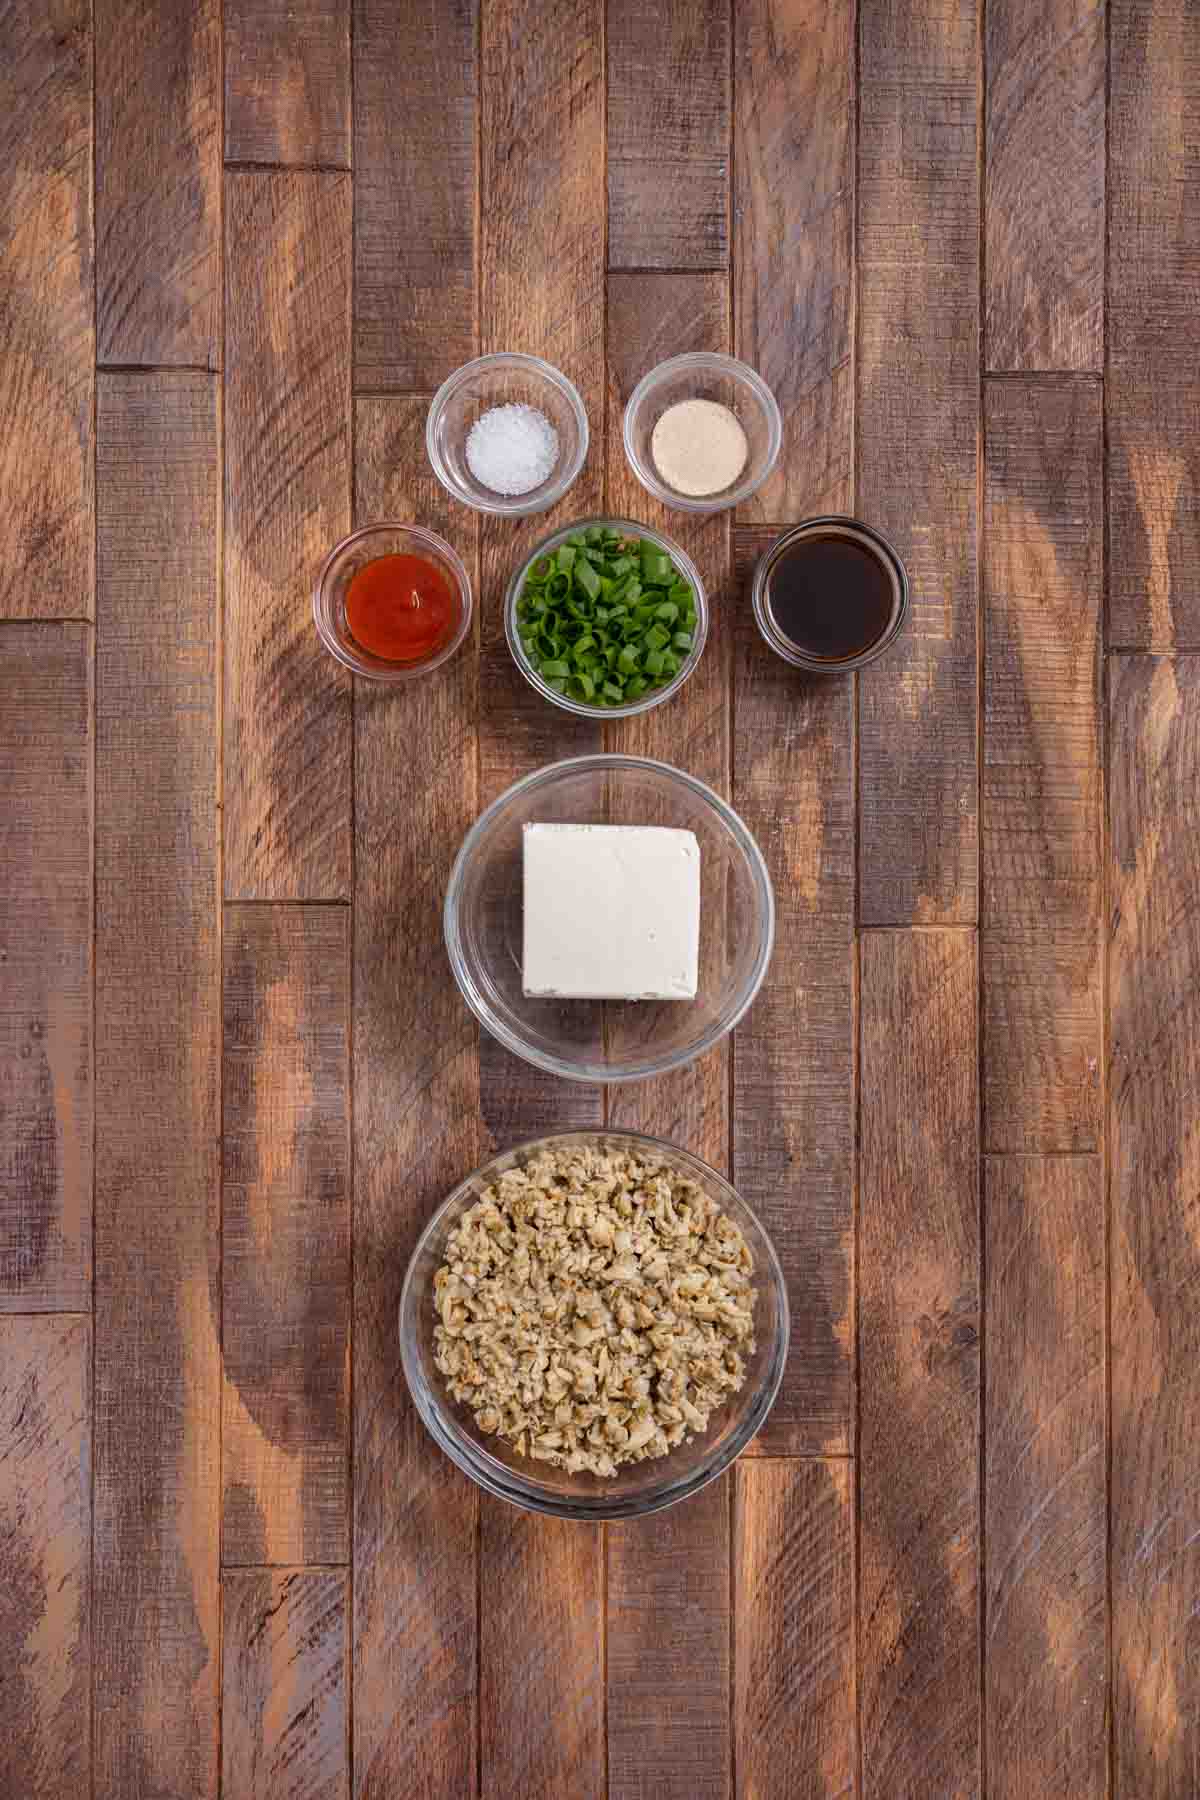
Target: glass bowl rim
773,637
401,671
605,761
717,362
646,702
512,506
488,1471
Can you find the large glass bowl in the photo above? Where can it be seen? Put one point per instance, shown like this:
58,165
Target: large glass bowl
608,1040
655,696
637,1488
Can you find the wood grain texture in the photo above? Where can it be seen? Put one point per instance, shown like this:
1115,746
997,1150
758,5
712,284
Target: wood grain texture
1153,350
919,1305
45,1554
794,1580
668,136
541,1695
45,967
1154,1145
158,1291
1045,1651
668,1652
417,1133
668,1577
415,81
284,1726
917,454
652,316
1044,185
1043,526
47,341
793,210
793,1100
287,81
285,1223
287,502
158,174
543,246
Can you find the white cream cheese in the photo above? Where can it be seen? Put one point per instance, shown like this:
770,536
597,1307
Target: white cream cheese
612,912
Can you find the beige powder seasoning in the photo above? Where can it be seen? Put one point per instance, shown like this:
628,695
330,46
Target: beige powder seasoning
699,447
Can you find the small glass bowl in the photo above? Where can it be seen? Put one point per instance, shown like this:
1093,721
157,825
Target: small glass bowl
504,379
704,375
637,1488
644,702
342,565
857,532
608,1040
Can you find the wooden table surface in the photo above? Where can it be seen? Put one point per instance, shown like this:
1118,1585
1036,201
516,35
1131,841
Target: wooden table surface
240,247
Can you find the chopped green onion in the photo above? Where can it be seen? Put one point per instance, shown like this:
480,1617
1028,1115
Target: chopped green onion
605,618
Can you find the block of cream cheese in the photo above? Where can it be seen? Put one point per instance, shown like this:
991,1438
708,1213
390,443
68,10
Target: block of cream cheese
612,912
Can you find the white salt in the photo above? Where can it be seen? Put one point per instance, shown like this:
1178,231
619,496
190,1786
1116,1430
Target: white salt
512,449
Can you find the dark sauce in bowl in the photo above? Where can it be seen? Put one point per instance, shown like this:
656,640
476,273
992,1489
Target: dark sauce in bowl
830,594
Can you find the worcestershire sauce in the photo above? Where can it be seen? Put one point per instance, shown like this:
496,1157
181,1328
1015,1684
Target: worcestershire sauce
831,596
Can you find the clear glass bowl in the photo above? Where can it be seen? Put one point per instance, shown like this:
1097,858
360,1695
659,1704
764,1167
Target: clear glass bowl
608,1040
339,569
637,1488
704,375
504,379
645,702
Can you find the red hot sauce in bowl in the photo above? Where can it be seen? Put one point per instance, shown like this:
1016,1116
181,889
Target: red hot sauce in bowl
401,608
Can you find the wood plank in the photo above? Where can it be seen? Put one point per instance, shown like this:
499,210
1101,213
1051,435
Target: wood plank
542,220
1154,1147
1046,1619
157,1496
284,1722
668,157
668,1577
651,316
919,1303
543,245
1043,525
1044,185
917,454
794,1579
667,1664
416,76
1153,352
47,339
45,1553
793,1100
287,81
285,1222
539,1645
793,241
46,957
158,175
287,502
417,1132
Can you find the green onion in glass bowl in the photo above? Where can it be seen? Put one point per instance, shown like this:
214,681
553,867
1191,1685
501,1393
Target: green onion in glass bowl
606,617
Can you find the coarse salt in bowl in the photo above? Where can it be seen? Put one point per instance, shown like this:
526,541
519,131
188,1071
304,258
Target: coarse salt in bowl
480,423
